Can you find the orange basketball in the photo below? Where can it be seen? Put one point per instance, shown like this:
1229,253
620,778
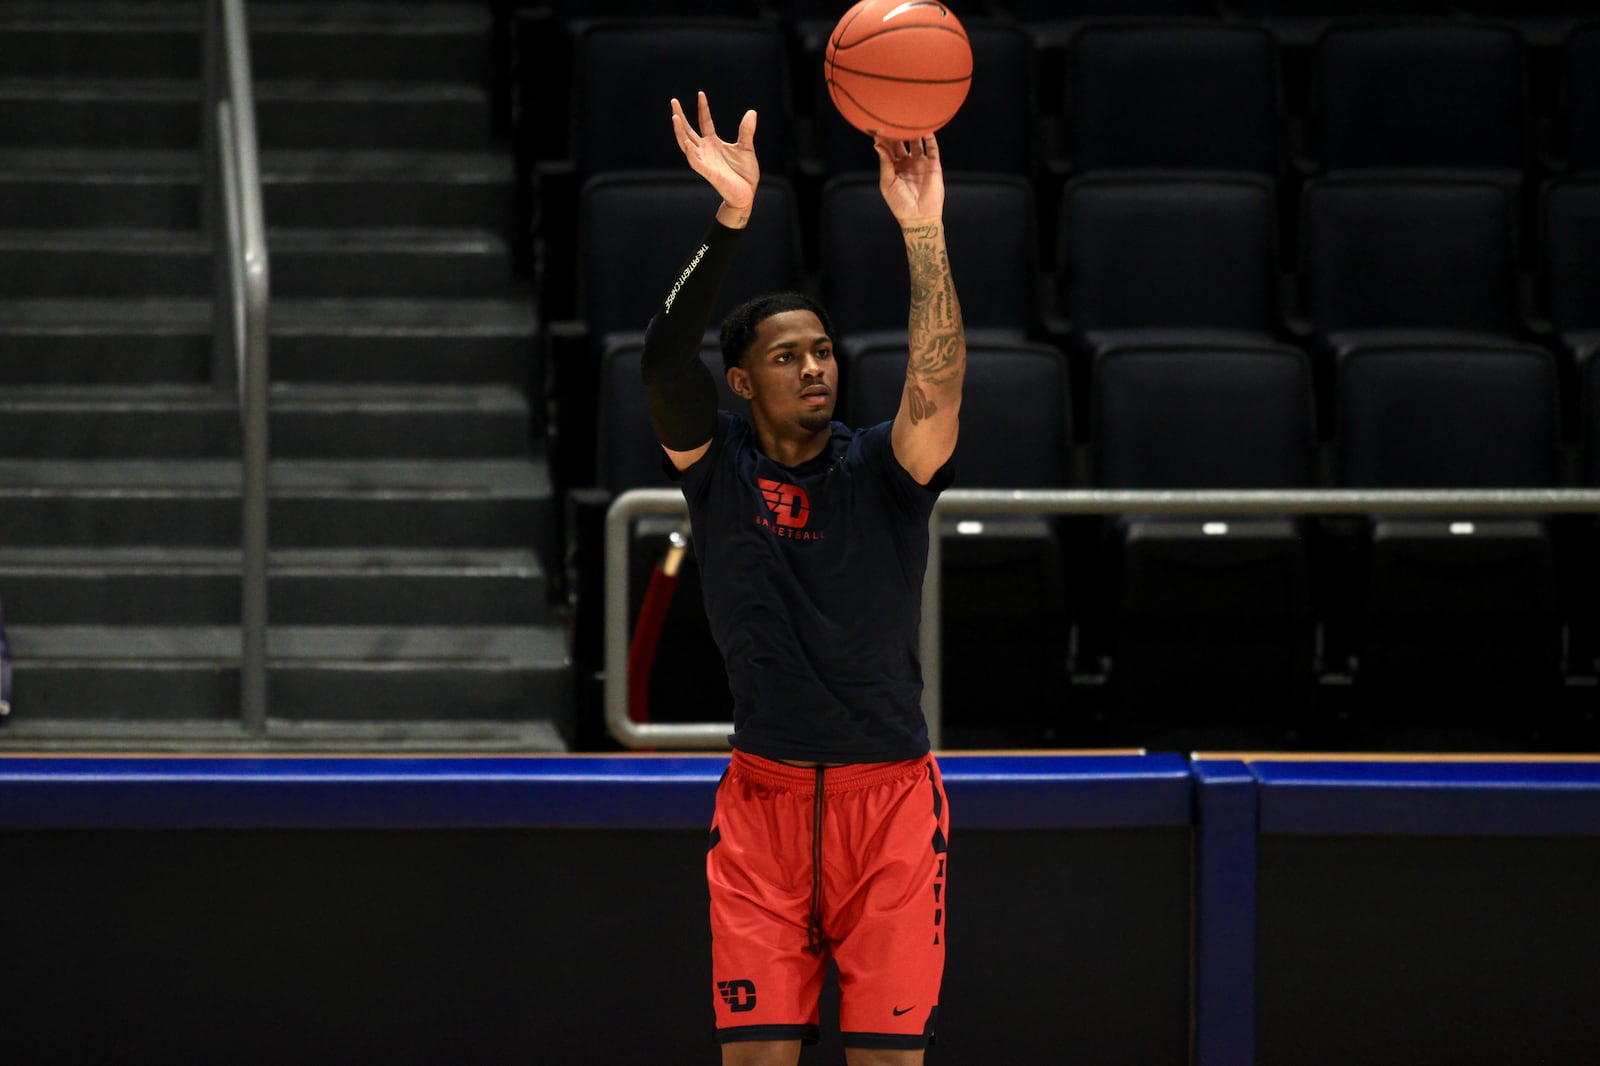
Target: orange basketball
898,67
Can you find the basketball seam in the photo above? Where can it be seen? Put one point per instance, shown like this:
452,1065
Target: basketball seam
841,30
837,47
891,77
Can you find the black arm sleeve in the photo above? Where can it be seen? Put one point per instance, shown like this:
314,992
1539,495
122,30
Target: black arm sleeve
682,394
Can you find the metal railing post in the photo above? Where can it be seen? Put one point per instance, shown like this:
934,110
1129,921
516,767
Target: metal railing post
234,218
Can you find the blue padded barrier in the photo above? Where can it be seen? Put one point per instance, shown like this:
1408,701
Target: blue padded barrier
1031,791
1241,800
1430,798
1225,942
482,909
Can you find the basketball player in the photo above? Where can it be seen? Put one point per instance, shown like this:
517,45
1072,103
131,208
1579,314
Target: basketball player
830,828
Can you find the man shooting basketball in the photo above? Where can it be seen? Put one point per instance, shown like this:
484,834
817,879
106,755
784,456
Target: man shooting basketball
831,823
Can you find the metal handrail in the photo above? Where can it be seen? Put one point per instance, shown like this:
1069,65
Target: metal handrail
235,219
1462,502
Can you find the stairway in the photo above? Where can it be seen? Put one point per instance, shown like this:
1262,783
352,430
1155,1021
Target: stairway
412,517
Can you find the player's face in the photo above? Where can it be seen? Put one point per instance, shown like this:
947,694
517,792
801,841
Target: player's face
789,373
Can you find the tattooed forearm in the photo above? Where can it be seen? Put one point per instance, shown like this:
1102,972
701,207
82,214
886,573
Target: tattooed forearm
937,338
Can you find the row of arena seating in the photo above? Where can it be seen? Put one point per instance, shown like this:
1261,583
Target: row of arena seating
1186,95
1111,628
1207,254
1221,94
1146,259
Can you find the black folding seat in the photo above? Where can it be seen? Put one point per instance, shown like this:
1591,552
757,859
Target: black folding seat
1298,23
1212,628
991,234
1386,259
1053,22
1578,110
1544,24
1420,96
1457,632
1159,257
1569,276
626,71
996,130
1006,609
1190,95
1569,262
635,230
623,75
1584,565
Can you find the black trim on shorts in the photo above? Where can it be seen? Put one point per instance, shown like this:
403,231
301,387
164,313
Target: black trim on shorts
888,1041
736,1034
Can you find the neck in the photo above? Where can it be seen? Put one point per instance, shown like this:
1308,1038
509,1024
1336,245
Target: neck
793,447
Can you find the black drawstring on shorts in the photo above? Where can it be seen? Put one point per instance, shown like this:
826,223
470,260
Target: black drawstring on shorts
814,923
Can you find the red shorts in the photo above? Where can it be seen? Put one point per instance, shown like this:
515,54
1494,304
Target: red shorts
875,906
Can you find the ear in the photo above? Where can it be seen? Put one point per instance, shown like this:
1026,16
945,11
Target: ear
739,381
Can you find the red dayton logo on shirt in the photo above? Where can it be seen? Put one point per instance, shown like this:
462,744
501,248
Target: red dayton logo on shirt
788,503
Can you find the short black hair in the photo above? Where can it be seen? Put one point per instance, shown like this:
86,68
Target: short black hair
739,327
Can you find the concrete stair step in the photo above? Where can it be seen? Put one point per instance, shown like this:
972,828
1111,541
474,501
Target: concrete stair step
320,673
200,586
304,263
88,340
307,421
322,503
286,736
165,113
73,188
371,41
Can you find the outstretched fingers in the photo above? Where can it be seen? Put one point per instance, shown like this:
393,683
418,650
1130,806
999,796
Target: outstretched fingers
747,130
687,138
707,127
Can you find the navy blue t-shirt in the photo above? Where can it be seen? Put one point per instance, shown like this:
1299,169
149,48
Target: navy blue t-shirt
812,578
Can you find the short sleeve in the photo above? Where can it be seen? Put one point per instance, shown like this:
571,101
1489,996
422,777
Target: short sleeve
877,452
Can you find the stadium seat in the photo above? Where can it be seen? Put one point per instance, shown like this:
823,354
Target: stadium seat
1578,117
1164,258
990,231
1297,24
1457,629
1189,95
1543,24
1384,259
1420,96
1006,607
1212,627
1569,234
1157,257
623,75
1585,563
626,70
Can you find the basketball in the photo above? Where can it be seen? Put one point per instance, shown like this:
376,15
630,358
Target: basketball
898,67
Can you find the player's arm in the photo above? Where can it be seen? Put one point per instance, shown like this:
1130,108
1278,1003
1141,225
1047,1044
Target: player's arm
681,392
925,428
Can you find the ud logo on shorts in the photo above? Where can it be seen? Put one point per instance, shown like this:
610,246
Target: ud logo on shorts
788,503
740,996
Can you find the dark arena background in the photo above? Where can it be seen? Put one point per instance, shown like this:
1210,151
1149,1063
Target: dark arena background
348,711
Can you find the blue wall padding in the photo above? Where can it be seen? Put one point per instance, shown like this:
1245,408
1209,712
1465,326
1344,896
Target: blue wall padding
1225,917
580,792
1429,798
